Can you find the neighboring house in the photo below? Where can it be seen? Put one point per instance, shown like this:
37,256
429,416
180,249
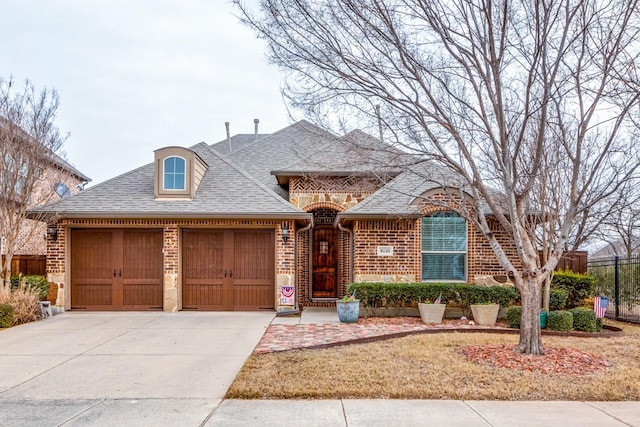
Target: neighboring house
57,181
275,222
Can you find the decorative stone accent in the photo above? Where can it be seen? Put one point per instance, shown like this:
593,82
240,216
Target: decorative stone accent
385,278
170,303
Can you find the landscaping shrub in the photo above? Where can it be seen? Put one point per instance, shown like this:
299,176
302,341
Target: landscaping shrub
38,283
560,320
579,286
25,305
514,314
401,295
558,299
584,319
6,315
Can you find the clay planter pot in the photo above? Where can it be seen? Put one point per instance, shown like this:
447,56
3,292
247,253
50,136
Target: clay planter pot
431,313
485,315
348,311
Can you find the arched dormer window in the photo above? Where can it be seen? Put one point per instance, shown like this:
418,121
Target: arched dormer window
444,247
174,176
178,172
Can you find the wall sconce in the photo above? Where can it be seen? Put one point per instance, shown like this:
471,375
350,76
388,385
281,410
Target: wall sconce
52,232
285,232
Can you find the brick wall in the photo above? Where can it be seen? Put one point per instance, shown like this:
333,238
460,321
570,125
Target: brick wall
406,262
31,239
402,234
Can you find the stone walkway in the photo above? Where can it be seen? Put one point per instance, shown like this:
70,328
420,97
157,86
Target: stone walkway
283,337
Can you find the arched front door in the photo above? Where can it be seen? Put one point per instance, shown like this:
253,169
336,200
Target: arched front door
325,262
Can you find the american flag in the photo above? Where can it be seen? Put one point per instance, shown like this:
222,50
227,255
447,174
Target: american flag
600,306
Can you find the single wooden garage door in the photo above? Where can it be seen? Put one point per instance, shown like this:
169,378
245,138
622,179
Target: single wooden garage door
228,269
116,269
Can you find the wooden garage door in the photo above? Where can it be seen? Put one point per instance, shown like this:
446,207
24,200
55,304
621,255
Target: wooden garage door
228,269
116,269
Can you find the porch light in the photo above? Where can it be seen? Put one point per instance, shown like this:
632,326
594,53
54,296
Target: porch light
52,232
285,232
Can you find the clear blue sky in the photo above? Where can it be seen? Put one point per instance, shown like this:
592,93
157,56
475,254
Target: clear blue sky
134,75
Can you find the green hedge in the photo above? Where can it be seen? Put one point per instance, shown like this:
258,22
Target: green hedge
579,286
37,283
558,299
560,320
6,315
584,319
514,315
400,295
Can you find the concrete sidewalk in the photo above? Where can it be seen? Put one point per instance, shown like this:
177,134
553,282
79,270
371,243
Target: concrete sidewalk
173,369
432,413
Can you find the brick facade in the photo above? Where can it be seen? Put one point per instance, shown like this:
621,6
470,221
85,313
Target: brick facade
31,240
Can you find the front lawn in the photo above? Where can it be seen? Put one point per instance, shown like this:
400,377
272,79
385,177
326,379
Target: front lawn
431,366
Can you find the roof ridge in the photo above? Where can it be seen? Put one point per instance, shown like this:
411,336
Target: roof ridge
251,178
297,124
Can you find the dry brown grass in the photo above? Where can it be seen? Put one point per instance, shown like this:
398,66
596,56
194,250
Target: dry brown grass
431,367
24,302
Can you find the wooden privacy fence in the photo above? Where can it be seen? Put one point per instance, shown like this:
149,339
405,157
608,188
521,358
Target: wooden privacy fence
28,264
575,261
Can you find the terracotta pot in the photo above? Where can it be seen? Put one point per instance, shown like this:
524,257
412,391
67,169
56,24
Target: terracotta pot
431,313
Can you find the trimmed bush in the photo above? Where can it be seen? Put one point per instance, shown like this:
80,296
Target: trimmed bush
558,299
514,314
6,315
584,319
560,320
37,283
579,286
401,295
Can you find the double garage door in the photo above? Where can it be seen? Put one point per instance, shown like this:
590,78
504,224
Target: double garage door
122,269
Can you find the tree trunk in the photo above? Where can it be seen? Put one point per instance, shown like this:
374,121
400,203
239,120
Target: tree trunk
530,336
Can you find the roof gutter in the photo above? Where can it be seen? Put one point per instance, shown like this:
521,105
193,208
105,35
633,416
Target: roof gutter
296,305
351,250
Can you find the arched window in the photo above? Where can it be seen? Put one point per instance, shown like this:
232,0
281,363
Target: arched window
174,173
444,247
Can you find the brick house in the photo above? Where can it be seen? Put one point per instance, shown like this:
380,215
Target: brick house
277,222
57,181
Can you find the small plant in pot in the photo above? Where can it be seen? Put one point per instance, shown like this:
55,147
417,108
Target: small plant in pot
432,311
348,308
484,307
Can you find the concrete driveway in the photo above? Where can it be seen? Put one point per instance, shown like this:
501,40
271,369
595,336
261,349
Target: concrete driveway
123,368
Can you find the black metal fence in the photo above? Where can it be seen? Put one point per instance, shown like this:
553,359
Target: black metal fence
618,278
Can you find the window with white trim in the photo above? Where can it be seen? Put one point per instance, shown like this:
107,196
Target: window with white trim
174,173
444,247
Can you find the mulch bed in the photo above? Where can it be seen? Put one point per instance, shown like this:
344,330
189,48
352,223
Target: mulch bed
560,361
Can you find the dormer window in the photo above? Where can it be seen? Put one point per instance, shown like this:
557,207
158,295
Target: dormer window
178,172
174,173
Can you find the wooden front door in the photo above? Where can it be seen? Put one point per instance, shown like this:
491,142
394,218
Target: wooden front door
116,269
228,269
325,262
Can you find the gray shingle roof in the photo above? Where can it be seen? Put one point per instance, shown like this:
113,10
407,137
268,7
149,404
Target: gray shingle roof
400,197
225,191
237,142
274,151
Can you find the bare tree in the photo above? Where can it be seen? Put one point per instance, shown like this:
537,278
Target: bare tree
621,228
514,96
29,141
